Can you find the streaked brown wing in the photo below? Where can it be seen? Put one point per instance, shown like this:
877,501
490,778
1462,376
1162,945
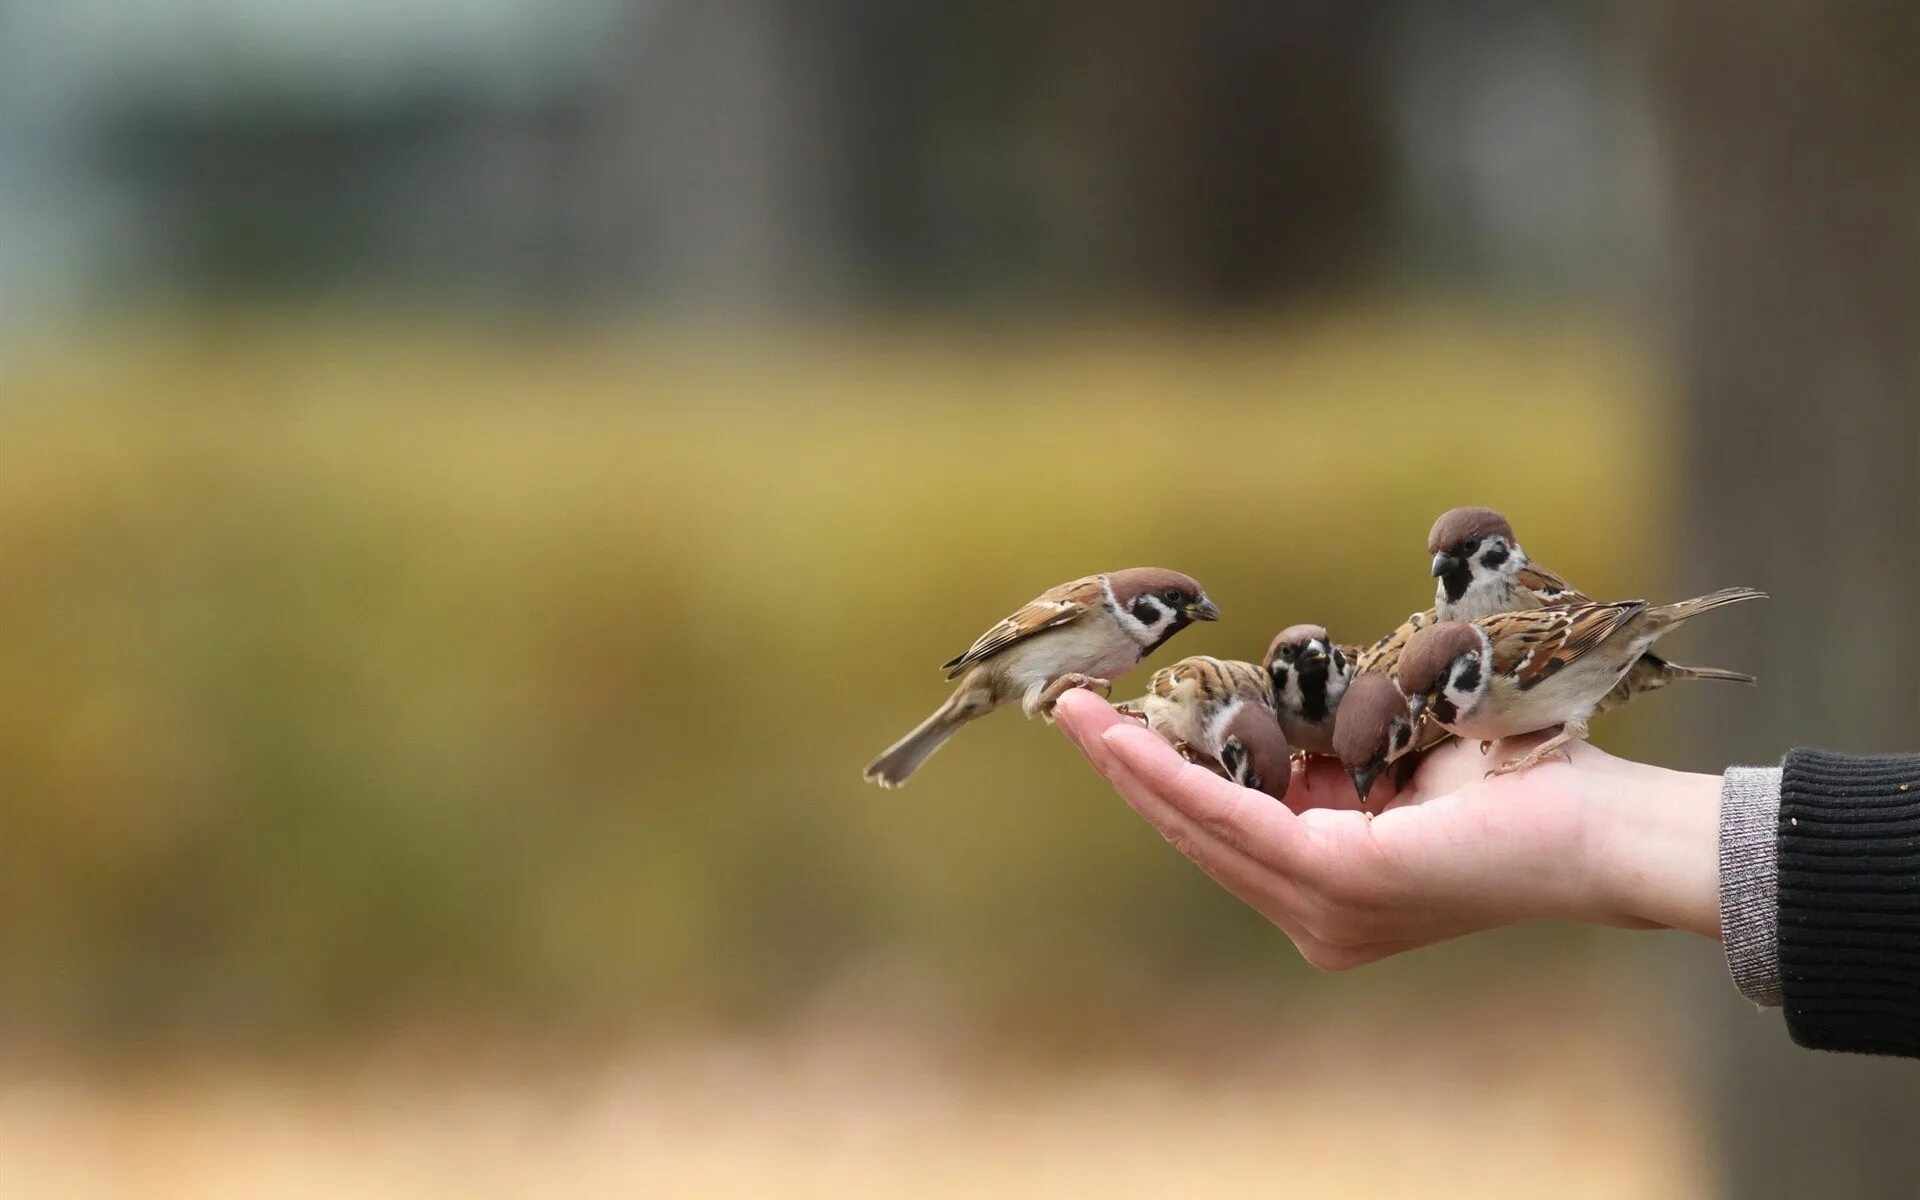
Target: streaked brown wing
1166,680
1551,590
1053,607
1534,645
1384,655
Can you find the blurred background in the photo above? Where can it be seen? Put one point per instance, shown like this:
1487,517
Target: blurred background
482,476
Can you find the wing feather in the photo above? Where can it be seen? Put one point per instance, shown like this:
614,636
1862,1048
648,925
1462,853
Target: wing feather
1534,645
1384,655
1551,590
1050,609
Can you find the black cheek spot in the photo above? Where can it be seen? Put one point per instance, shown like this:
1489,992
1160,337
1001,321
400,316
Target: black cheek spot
1494,557
1178,622
1279,677
1145,610
1468,677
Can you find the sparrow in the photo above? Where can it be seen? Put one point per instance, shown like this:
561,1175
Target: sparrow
1309,675
1376,728
1481,570
1220,711
1518,672
1084,633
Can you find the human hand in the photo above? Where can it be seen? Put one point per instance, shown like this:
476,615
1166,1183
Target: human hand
1595,838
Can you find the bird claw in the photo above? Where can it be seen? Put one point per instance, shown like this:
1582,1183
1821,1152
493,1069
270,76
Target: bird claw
1526,761
1065,684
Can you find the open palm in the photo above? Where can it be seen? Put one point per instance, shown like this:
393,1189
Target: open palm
1595,838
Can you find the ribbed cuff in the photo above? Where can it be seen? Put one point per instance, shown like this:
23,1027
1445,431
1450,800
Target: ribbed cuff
1749,880
1849,858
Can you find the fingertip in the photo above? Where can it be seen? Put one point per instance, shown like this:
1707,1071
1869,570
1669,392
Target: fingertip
1133,743
1080,703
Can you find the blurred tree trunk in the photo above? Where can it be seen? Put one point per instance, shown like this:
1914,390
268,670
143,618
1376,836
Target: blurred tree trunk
1242,148
1790,134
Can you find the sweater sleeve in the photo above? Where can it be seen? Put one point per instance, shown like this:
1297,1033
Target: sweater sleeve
1749,879
1849,901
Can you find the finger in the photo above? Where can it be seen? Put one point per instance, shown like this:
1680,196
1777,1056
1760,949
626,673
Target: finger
1248,821
1082,716
1272,893
1266,891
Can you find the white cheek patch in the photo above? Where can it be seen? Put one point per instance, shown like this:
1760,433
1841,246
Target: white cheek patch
1144,631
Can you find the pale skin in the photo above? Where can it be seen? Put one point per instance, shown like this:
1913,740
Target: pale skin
1592,838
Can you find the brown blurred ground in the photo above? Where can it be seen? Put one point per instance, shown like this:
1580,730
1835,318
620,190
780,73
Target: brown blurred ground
1548,1088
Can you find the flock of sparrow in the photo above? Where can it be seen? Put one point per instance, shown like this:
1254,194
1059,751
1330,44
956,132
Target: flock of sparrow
1508,649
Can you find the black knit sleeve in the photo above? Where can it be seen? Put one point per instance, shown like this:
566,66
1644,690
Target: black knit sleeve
1850,901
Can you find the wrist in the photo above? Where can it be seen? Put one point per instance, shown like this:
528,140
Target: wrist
1657,852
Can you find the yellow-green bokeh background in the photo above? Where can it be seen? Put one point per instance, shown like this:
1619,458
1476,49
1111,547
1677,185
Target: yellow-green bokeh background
367,673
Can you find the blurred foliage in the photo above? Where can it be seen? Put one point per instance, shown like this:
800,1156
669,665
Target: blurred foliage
359,672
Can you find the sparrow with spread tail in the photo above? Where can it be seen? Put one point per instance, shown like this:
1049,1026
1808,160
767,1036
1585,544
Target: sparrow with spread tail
1220,711
1481,570
1520,672
1309,674
1081,634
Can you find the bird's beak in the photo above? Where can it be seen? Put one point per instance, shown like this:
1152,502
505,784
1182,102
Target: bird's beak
1203,609
1417,707
1312,653
1363,778
1443,562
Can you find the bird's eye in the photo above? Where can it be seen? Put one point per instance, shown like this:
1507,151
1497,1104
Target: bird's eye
1467,548
1172,595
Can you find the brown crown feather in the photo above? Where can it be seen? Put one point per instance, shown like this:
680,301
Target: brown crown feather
1294,635
1431,651
1258,731
1459,525
1367,712
1140,581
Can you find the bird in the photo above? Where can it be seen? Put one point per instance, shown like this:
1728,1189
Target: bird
1376,728
1220,711
1520,672
1481,570
1083,633
1309,674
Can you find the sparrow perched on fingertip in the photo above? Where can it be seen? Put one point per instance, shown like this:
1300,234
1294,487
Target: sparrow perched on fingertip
1084,633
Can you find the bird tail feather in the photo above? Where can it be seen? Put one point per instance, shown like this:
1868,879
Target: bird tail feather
1672,614
893,768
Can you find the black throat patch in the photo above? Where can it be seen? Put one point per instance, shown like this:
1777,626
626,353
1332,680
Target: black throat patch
1455,580
1313,693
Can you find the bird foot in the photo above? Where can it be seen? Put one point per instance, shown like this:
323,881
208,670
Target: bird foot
1065,684
1514,766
